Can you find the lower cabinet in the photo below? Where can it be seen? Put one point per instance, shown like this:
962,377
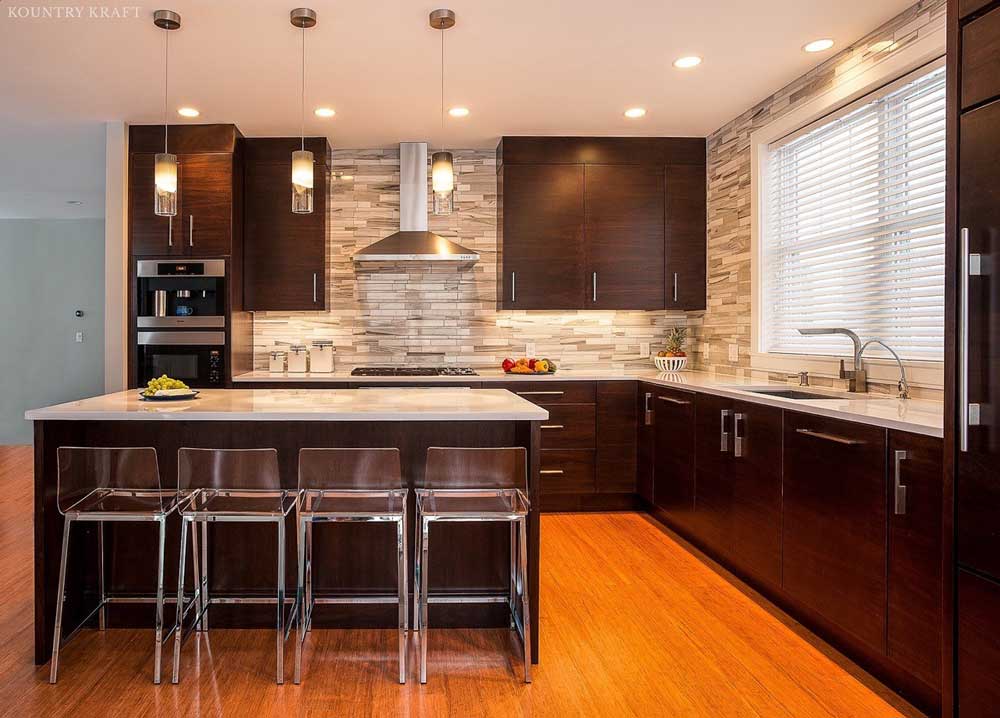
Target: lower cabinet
834,523
672,417
978,677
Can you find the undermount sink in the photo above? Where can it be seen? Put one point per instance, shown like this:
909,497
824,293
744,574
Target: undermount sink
788,393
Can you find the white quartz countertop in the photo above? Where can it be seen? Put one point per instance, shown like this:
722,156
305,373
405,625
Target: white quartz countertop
913,415
390,404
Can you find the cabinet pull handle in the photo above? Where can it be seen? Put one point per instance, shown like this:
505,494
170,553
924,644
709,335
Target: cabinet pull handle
554,472
968,413
170,231
553,426
829,437
539,393
737,436
513,287
723,434
673,401
595,286
314,288
191,230
675,286
900,488
649,408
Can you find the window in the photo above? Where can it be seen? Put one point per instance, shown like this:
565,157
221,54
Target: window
853,225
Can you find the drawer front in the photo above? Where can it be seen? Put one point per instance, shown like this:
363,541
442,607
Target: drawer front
568,471
554,392
981,59
570,426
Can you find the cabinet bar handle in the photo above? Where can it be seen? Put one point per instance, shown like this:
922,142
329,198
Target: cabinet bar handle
595,286
969,413
900,488
723,434
649,408
675,286
191,230
314,288
553,426
170,231
556,472
513,287
673,401
830,437
539,393
737,437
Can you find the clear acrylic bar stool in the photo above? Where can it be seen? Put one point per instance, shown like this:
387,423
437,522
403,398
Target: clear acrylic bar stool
361,485
475,485
229,486
101,485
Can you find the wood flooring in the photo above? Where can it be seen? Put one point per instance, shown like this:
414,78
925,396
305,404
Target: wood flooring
635,623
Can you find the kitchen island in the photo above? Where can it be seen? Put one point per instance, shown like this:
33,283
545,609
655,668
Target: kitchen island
349,558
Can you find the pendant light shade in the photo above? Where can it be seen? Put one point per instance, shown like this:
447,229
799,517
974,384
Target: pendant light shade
302,159
165,168
443,163
302,182
443,182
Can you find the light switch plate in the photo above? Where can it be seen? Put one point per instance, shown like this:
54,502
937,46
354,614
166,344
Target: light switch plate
79,337
529,349
734,353
644,349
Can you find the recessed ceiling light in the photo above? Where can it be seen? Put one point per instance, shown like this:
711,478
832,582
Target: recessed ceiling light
818,45
187,112
324,112
687,62
881,45
459,112
635,112
74,202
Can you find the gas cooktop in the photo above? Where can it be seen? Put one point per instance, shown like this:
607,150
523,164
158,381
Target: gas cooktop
413,371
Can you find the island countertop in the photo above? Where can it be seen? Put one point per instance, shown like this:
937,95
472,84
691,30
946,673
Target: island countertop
390,404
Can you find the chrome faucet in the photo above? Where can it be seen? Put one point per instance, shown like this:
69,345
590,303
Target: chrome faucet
857,379
902,384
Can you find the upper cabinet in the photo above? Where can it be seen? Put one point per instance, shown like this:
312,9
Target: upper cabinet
209,191
284,265
601,223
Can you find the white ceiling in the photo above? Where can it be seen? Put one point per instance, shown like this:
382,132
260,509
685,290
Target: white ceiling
561,67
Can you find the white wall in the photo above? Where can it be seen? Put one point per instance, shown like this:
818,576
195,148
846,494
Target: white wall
48,270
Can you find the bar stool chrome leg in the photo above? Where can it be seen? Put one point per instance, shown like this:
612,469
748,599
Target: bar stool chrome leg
401,569
179,625
196,565
309,574
280,632
424,546
300,592
203,579
60,600
525,600
102,614
158,650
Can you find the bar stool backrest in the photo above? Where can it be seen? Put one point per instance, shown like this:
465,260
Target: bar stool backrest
350,469
476,468
82,470
229,469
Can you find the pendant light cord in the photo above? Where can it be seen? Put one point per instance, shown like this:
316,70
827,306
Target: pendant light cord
302,109
166,77
442,86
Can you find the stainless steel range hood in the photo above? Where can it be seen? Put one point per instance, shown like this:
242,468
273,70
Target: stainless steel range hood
413,243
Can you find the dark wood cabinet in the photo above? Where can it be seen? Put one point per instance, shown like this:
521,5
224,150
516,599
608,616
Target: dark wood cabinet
624,233
714,488
686,237
205,217
981,60
542,255
915,586
968,7
617,438
674,454
601,223
149,233
978,650
645,450
834,523
285,254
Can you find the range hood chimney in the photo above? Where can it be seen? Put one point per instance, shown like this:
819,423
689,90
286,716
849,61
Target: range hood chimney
413,243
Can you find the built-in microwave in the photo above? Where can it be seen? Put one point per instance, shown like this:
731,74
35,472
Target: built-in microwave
195,357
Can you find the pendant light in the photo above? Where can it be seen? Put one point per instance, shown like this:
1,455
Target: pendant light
165,165
442,163
302,159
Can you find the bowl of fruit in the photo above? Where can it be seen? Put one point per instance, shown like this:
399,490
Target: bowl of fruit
673,358
528,366
166,389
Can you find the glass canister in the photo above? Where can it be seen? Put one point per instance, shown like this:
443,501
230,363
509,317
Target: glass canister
321,356
277,362
297,359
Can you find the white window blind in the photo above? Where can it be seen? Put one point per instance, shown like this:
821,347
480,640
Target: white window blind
854,226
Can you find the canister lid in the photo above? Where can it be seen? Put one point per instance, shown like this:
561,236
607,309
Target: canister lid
323,343
297,348
277,353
